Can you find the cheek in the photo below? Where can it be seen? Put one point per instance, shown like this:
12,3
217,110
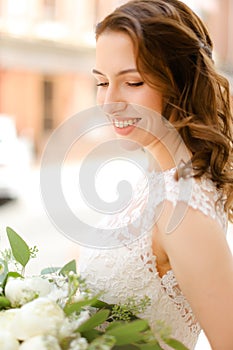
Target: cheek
99,97
155,102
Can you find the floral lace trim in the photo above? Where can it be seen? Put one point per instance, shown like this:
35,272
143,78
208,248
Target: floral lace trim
198,194
169,284
171,287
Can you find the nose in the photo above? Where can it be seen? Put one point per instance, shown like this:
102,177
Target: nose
114,108
112,102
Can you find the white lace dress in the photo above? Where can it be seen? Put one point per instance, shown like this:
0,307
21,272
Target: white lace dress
130,269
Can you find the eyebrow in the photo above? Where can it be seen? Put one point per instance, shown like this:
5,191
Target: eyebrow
122,72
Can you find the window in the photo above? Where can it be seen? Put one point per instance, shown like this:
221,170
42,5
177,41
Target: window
48,109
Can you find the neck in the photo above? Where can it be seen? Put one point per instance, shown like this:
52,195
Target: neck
166,154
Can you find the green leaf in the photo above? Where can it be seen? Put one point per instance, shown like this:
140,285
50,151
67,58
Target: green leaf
114,325
175,344
129,332
4,303
10,274
94,321
14,274
99,304
150,346
126,347
49,270
19,247
77,307
70,266
91,335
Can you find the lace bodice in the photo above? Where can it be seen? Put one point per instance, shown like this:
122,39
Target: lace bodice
127,270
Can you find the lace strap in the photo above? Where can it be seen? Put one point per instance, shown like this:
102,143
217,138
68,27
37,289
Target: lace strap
200,194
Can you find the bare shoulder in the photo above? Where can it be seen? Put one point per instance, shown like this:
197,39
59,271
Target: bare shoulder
196,237
203,265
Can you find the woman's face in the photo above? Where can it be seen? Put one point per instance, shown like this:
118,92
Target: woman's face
121,90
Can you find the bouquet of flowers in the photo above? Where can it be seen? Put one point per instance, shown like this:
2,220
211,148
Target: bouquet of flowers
56,311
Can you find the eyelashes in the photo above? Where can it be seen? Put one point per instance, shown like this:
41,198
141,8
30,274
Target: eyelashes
102,84
140,83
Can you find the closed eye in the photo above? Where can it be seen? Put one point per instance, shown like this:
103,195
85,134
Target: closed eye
102,84
140,83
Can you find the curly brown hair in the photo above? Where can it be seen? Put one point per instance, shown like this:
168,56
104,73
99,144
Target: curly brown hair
173,53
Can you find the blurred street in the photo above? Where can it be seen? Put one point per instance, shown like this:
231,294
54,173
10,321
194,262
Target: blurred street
27,216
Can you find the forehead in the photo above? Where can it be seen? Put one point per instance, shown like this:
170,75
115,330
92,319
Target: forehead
114,50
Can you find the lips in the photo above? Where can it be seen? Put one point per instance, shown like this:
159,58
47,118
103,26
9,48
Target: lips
125,126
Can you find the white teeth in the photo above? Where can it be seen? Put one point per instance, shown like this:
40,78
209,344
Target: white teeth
125,123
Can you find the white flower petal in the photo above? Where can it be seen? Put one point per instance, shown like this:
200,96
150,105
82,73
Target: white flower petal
38,317
7,341
19,291
70,325
7,319
79,344
40,342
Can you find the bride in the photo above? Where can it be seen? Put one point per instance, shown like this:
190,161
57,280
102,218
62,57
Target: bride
155,73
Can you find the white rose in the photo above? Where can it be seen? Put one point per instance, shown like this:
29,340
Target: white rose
7,341
40,342
38,317
20,291
7,319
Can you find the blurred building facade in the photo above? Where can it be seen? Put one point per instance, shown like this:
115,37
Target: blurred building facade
47,52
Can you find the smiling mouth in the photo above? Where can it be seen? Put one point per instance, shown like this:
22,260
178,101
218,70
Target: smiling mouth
125,123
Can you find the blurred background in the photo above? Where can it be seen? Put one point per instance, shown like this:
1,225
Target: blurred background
47,52
46,56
